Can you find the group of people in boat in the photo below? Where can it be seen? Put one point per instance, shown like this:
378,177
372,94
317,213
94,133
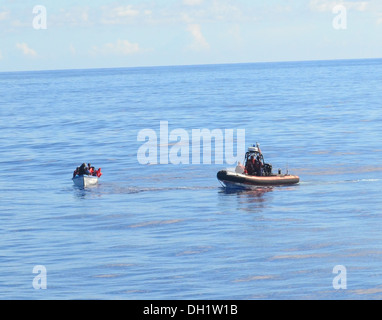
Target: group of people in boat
87,170
254,163
253,166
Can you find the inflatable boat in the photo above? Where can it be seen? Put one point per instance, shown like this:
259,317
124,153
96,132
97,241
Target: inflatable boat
85,181
256,173
234,180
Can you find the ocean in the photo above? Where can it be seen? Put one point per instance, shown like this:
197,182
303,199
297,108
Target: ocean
170,231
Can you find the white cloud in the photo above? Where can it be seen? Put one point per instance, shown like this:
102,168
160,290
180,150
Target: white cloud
71,16
226,11
120,47
186,11
192,2
4,15
72,49
214,11
119,15
199,41
85,16
125,11
328,5
1,55
26,50
322,5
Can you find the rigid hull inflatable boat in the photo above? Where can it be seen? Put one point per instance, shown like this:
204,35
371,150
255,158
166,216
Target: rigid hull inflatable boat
244,181
255,173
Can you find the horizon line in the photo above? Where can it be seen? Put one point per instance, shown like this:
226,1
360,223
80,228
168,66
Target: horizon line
190,65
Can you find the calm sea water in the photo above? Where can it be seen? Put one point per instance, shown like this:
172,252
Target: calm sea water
170,231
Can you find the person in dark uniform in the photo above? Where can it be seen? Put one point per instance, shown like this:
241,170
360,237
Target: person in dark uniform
258,166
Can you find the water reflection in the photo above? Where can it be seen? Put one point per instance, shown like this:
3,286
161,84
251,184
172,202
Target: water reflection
88,192
247,200
257,192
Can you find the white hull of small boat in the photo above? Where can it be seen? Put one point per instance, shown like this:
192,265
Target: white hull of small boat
85,181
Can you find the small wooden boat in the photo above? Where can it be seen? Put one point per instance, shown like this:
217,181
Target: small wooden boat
85,181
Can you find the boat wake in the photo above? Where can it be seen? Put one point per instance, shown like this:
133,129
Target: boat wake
366,180
105,188
316,182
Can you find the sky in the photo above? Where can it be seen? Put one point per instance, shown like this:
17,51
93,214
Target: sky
49,35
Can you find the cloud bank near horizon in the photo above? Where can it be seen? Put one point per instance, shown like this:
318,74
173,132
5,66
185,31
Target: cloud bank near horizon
141,33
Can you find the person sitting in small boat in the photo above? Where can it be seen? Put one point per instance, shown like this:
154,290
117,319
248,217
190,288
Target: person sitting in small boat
98,173
239,168
83,170
75,172
91,169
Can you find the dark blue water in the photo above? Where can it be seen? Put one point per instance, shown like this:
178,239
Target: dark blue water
170,231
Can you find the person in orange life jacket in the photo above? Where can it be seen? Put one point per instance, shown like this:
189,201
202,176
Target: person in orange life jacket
98,173
91,169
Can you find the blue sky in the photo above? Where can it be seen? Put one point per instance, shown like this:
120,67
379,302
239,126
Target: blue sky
102,34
